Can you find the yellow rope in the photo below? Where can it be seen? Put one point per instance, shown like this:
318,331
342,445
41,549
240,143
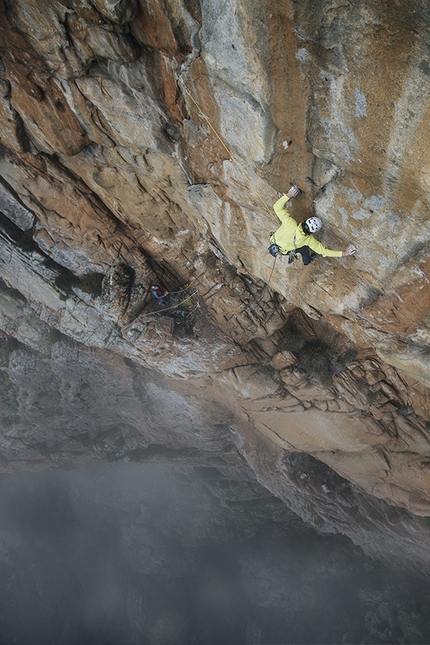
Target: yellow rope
229,152
187,135
160,311
163,310
184,288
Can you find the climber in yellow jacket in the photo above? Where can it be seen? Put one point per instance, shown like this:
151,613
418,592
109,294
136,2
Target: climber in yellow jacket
292,238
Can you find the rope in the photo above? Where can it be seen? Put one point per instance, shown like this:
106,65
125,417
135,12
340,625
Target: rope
160,311
233,159
186,286
164,309
229,152
187,134
271,273
268,282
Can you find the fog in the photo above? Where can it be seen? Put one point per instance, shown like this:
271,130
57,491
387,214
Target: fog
145,554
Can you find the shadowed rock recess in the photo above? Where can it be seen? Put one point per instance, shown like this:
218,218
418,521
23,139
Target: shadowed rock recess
144,141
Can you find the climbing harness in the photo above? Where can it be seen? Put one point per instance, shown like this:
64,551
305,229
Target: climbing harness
274,249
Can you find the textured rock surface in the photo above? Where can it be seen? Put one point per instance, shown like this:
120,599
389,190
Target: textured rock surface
145,140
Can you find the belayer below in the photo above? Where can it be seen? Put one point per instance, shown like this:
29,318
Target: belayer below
292,238
159,292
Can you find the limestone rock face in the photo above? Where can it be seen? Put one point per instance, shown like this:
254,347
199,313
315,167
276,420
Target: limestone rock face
146,140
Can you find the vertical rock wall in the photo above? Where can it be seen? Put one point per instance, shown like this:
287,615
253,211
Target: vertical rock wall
145,140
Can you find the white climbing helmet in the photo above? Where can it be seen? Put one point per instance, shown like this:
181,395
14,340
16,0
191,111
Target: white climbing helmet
314,224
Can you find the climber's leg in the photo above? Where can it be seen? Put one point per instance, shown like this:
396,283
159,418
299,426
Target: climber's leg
307,255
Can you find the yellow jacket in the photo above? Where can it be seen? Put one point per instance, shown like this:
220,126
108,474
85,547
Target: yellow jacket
290,235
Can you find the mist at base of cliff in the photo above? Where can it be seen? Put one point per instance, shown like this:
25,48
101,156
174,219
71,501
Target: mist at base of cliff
144,554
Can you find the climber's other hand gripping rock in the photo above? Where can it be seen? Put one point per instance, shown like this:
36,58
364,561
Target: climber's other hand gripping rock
293,192
349,251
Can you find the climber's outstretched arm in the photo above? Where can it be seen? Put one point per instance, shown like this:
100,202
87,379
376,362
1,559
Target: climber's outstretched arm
279,206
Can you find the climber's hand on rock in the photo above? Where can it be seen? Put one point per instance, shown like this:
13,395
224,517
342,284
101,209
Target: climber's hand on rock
293,192
349,251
